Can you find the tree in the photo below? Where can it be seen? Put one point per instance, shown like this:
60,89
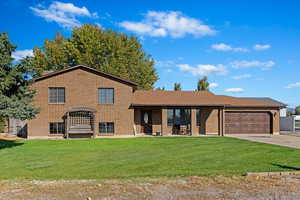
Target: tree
203,84
177,87
105,50
160,89
15,95
297,110
2,125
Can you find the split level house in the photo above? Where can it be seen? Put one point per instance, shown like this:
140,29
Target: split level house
80,101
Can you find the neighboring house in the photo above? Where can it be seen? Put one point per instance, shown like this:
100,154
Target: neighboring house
283,106
81,101
297,122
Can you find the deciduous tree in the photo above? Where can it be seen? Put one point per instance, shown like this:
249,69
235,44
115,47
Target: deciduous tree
160,88
105,50
177,87
203,84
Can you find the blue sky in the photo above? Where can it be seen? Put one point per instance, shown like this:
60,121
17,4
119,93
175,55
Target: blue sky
246,48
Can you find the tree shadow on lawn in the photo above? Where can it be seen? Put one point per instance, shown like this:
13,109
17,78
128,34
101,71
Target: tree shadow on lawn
285,166
9,144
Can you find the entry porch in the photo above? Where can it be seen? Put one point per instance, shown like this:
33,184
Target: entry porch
174,120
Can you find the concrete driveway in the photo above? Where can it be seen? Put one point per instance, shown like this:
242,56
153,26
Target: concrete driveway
282,140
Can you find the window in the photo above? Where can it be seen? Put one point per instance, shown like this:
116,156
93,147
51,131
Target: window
56,95
170,117
56,128
198,116
185,116
179,116
106,95
106,127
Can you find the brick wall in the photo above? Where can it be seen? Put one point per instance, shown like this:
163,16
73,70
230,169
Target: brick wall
81,90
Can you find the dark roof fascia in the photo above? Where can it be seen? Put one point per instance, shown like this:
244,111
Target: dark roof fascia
268,100
206,105
177,105
107,75
253,106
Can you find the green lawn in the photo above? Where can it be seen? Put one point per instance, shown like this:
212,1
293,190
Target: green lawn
297,124
140,157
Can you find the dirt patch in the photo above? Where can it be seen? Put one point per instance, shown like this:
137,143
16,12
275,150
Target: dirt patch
4,137
219,187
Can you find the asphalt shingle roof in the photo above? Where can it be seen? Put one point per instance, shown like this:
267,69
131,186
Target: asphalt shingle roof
192,98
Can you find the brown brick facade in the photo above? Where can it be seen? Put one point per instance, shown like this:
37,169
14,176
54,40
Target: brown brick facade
81,90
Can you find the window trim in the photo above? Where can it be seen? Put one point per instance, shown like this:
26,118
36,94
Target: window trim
56,88
99,97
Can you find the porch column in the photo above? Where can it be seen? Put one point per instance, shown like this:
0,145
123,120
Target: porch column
221,122
194,122
164,122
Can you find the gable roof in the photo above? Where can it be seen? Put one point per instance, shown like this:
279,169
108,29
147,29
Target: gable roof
266,100
192,98
89,69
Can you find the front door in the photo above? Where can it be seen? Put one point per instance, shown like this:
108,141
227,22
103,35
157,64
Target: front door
146,121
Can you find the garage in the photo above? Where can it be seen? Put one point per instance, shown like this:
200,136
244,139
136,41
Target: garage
247,123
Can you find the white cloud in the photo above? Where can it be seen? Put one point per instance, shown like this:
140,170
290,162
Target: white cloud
65,14
170,23
213,85
99,26
261,47
18,55
203,70
168,70
165,63
235,90
225,47
242,76
221,47
253,63
293,85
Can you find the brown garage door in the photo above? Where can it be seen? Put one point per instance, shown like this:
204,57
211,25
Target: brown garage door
247,122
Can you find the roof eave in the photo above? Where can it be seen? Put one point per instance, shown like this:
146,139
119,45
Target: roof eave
85,67
182,105
251,106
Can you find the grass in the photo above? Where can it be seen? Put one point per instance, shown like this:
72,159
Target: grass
297,124
140,157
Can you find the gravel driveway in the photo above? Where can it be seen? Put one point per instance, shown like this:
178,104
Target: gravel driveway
282,140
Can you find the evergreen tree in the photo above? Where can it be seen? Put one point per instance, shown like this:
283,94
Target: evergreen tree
15,95
2,125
